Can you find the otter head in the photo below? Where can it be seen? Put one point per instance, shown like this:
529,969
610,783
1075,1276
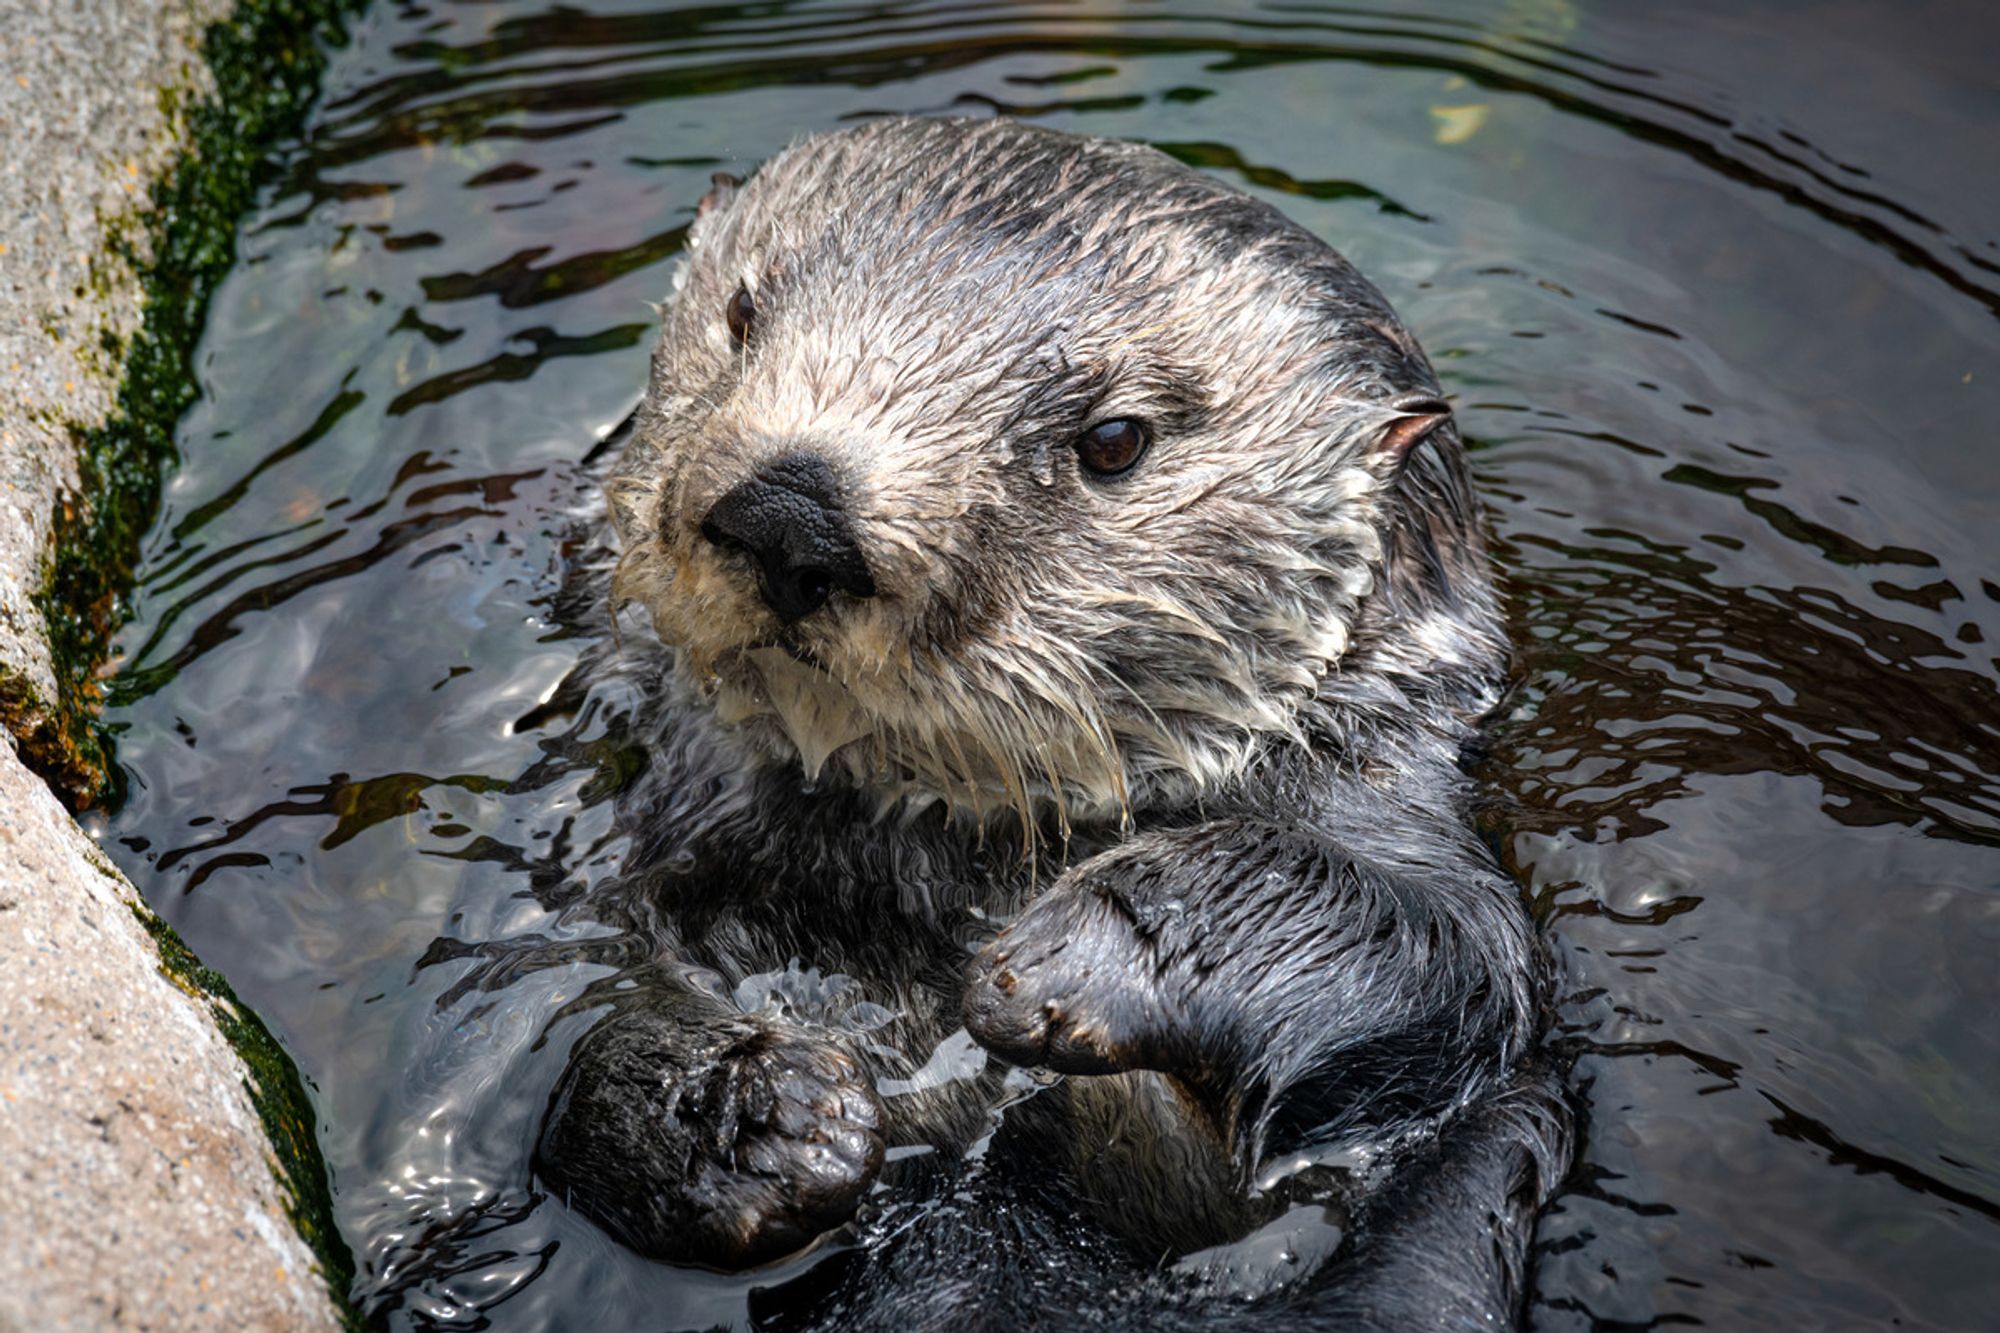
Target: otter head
1013,469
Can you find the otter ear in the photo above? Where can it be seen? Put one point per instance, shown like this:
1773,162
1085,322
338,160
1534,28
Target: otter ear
721,194
722,188
1415,417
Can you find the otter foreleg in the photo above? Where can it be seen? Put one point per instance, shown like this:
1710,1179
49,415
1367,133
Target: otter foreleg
1304,991
699,1138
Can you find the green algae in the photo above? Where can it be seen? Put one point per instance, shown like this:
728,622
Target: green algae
279,1096
266,60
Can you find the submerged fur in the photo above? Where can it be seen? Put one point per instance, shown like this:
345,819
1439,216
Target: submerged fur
1222,701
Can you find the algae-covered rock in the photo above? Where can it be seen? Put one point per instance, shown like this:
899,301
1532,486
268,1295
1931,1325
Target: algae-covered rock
157,1153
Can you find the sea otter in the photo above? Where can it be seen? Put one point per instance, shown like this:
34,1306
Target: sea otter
1071,620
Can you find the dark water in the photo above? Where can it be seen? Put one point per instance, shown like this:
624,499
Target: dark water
1717,289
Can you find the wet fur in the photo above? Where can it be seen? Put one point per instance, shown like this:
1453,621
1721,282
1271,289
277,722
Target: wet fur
1193,737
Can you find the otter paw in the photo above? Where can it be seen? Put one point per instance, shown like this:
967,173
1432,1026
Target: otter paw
1075,985
728,1153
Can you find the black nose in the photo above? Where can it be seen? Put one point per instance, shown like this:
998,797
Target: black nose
788,518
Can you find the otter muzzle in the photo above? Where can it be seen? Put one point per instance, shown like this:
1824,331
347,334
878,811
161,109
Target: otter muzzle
789,520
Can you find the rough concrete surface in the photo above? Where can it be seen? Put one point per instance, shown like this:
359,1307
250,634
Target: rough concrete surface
138,1191
84,131
136,1184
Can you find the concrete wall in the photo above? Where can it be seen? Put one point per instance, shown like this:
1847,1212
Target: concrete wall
141,1189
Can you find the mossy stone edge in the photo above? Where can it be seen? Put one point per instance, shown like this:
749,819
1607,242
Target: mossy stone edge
266,60
282,1105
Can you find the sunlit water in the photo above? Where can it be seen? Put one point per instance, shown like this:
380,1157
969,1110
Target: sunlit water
1716,290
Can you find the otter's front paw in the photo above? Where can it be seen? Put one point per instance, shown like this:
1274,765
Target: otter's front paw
725,1148
1078,985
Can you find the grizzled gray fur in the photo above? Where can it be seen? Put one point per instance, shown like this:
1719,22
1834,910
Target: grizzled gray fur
1071,618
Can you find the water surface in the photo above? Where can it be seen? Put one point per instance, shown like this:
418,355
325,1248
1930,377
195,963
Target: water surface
1717,291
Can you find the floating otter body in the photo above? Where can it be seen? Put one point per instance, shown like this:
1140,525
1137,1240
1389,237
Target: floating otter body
1072,618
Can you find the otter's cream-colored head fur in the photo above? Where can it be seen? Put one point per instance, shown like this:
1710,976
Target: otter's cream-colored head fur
940,312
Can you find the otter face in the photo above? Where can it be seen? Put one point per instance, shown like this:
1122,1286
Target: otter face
1013,469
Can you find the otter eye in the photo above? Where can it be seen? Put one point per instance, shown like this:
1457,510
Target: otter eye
740,311
1112,447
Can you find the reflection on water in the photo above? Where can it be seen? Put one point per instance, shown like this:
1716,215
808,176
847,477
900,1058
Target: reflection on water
1718,293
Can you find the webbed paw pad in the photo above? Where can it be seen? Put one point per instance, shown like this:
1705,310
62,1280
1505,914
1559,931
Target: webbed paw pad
727,1156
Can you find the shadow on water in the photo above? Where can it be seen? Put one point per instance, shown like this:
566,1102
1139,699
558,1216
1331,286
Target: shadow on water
1718,293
